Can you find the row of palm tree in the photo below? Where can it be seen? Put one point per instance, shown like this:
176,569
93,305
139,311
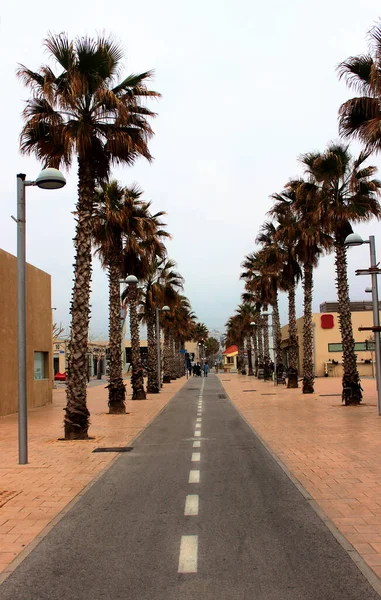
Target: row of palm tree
84,111
311,217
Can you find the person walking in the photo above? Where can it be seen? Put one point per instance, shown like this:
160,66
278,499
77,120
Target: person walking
206,369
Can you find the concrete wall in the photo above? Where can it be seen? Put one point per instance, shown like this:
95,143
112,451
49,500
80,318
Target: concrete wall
323,337
39,334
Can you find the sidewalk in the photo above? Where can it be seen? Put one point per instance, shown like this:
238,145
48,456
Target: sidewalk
32,495
332,450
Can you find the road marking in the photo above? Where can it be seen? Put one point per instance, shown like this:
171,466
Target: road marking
188,554
198,426
196,444
197,434
191,505
196,456
199,420
194,477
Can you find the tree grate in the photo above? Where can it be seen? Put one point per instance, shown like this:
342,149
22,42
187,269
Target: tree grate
329,395
268,394
249,390
115,449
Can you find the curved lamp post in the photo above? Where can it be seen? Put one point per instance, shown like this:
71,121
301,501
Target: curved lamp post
158,349
48,179
354,239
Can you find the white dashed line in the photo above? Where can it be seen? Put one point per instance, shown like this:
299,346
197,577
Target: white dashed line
194,477
196,456
196,444
199,420
188,554
197,434
191,505
198,426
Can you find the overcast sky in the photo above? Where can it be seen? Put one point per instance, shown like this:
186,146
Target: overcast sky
247,86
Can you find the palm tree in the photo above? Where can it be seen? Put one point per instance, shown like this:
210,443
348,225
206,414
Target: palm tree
348,194
84,111
291,272
139,253
360,117
159,288
247,313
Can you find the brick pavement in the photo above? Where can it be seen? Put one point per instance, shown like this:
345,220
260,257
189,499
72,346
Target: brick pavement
32,495
334,451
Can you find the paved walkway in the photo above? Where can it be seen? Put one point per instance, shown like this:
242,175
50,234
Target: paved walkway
332,450
32,495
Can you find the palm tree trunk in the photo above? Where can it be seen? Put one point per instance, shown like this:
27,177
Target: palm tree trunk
152,383
76,420
241,354
167,358
352,390
293,350
116,387
277,332
137,378
260,347
249,356
172,360
308,363
266,350
255,348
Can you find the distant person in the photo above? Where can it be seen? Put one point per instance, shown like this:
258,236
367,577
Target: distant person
206,369
198,370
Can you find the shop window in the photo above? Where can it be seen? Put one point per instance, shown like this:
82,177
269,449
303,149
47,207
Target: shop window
367,346
41,365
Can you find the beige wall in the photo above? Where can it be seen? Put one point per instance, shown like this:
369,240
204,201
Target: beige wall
39,333
323,337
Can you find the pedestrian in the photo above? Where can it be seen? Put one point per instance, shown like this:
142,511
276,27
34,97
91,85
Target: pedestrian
206,369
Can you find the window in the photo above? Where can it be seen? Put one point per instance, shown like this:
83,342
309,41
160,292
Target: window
230,360
58,346
366,346
40,365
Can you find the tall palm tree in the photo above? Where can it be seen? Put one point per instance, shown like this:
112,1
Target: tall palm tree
138,254
291,272
348,194
310,241
360,117
159,288
247,313
84,111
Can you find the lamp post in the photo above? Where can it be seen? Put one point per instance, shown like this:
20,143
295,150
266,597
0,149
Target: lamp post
158,349
255,349
354,239
48,179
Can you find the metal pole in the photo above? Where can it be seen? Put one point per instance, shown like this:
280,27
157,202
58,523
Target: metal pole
158,349
21,322
376,319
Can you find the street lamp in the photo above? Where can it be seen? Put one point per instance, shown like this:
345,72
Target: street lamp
48,179
158,349
354,239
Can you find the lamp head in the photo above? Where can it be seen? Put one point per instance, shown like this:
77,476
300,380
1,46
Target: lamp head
131,279
50,179
353,239
165,308
253,323
368,290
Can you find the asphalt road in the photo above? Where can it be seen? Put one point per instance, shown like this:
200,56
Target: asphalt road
149,530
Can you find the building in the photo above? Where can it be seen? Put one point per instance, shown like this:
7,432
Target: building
230,356
190,347
328,354
97,357
39,335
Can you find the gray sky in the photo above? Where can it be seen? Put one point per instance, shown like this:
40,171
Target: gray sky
247,86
